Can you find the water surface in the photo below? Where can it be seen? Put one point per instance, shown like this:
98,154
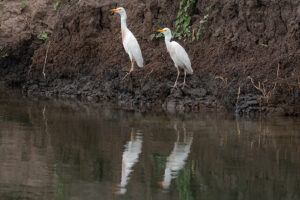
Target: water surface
66,150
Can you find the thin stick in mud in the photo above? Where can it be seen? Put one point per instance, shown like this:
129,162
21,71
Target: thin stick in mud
45,61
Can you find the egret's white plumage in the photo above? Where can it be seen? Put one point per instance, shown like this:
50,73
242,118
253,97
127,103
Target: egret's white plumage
132,48
130,43
178,55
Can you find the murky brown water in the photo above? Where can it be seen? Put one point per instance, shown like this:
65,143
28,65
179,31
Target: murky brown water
60,150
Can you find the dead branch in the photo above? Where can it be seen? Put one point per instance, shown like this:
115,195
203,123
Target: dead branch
264,45
257,87
239,92
193,35
45,61
30,66
222,78
148,74
261,87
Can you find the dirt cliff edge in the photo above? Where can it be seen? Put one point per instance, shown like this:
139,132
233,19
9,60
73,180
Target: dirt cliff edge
246,60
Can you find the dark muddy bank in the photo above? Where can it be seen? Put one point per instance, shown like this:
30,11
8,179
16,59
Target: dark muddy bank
247,59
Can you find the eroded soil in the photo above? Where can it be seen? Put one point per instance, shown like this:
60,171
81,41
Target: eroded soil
246,60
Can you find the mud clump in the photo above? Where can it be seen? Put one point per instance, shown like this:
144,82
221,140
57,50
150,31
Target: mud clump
241,41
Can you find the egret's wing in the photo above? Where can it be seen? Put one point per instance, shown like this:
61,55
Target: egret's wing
181,55
134,49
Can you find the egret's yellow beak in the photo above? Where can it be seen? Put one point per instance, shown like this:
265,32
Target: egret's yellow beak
114,10
160,30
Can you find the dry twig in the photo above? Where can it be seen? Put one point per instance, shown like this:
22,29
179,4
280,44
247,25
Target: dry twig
222,78
239,92
148,74
261,87
45,61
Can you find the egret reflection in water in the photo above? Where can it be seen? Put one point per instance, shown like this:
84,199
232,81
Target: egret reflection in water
131,153
176,160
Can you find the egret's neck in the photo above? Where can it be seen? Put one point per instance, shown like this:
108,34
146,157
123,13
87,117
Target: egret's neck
168,39
123,21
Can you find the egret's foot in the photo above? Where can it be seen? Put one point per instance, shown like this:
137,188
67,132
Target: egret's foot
183,85
127,74
175,85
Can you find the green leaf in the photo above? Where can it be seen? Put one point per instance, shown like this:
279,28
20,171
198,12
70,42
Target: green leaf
208,8
159,26
57,4
181,4
152,36
202,21
5,55
43,36
24,5
179,14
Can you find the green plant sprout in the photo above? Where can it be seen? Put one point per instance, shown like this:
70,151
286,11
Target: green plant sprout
5,55
1,48
57,4
43,36
157,35
24,5
208,8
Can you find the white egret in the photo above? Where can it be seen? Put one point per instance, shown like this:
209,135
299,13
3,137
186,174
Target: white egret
130,43
178,55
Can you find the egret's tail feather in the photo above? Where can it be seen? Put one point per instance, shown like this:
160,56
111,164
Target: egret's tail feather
140,63
189,70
